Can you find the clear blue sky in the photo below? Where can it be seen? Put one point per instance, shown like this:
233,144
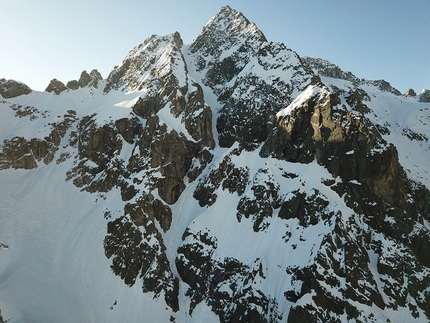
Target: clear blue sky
374,39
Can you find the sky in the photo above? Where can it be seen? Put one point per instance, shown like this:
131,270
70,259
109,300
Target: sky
374,39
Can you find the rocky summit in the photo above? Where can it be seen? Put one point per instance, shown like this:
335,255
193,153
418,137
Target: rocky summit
226,180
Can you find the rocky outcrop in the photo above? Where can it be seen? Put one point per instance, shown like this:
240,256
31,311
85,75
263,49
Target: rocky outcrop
11,89
410,92
22,153
317,126
209,279
56,86
138,251
324,67
385,86
424,96
98,148
93,79
73,85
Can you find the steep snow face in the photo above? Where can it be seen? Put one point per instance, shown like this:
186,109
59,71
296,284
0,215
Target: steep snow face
221,181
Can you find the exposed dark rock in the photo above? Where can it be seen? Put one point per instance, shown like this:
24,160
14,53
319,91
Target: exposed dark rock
209,278
326,68
169,152
198,118
11,89
345,142
146,108
56,86
129,128
309,210
84,79
412,135
2,320
424,96
410,92
249,104
233,179
73,85
137,253
28,111
91,79
385,86
265,198
19,152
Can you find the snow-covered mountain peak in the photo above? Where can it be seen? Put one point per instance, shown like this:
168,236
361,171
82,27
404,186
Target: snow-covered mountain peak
226,32
232,23
424,95
154,59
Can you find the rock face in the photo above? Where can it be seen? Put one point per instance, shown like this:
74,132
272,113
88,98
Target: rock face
410,92
424,96
93,79
56,86
73,85
325,68
238,178
20,152
11,89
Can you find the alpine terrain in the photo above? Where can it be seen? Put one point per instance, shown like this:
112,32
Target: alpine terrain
226,180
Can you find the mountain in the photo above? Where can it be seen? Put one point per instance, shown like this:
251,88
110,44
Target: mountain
226,180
